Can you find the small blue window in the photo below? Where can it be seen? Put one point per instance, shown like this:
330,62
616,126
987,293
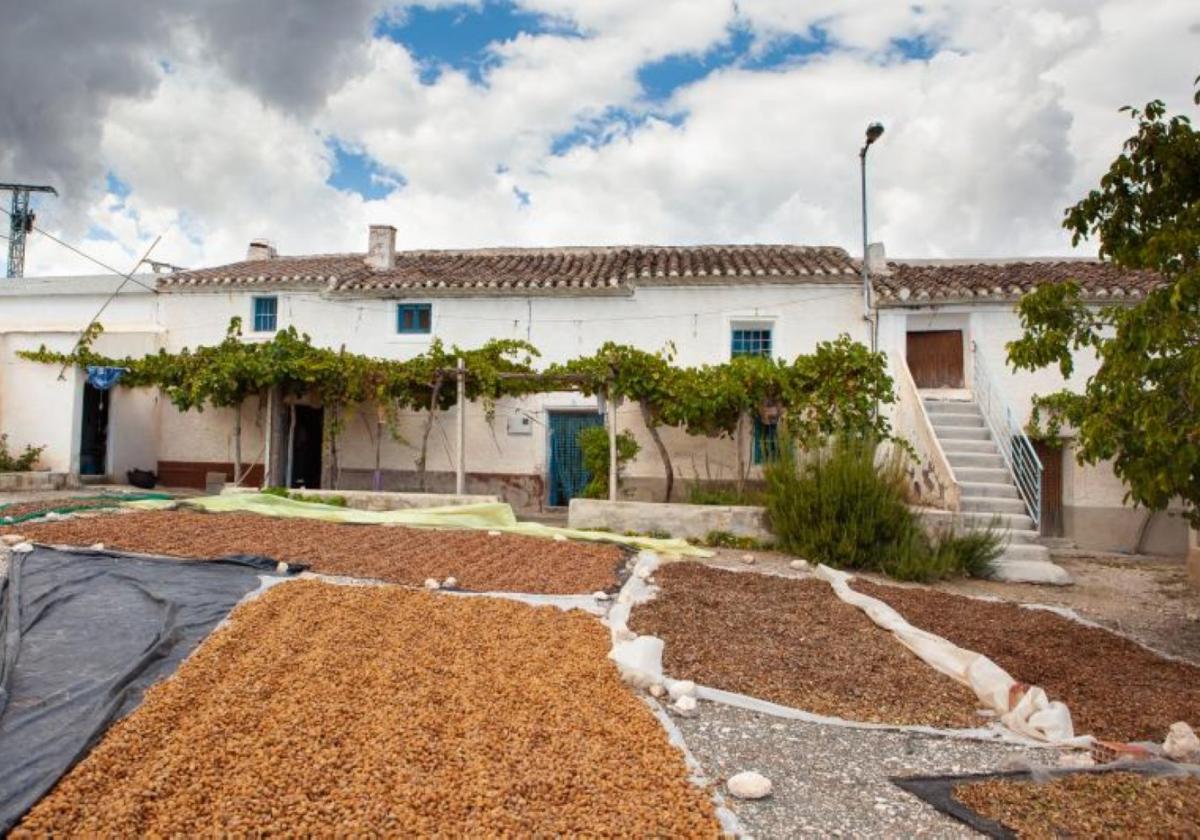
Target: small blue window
755,341
414,318
266,311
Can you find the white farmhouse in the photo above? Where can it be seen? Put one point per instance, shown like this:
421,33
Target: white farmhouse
943,326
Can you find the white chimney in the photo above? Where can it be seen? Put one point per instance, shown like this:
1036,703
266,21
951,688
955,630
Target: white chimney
381,246
877,259
260,249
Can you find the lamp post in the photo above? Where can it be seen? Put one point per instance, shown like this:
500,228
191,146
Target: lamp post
874,132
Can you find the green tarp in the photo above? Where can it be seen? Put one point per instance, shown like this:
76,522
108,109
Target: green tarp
493,516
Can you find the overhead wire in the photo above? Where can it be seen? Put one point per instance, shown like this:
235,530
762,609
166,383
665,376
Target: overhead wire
88,256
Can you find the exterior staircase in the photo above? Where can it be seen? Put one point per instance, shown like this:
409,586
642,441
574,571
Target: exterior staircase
990,496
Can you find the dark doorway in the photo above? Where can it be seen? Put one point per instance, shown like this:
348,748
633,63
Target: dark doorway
936,358
307,442
93,436
567,473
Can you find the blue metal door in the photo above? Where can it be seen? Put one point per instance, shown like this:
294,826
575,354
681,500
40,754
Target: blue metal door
567,474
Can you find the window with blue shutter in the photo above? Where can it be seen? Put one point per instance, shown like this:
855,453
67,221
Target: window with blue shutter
414,318
756,341
266,314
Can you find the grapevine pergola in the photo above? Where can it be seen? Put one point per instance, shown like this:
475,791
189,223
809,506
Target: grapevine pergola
833,390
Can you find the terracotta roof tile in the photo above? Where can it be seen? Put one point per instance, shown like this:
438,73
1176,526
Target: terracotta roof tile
916,282
573,270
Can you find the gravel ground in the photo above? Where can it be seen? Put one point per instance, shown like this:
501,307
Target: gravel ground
1115,688
832,781
480,562
1086,805
323,709
796,643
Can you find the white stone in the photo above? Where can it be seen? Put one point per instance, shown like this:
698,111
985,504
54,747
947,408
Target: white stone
493,533
600,595
643,572
53,516
624,634
281,568
450,583
657,690
1011,570
12,539
1181,743
23,548
682,688
431,583
800,565
559,538
748,559
749,785
686,706
97,546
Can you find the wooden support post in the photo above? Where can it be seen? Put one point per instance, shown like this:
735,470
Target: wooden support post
612,445
460,471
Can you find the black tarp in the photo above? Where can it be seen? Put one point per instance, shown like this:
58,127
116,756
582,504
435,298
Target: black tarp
82,635
938,791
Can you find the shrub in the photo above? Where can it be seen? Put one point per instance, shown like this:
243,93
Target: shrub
593,442
843,506
282,492
24,462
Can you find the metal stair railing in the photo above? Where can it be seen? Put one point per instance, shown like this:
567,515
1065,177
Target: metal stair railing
1016,449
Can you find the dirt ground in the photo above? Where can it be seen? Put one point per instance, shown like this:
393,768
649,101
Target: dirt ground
347,710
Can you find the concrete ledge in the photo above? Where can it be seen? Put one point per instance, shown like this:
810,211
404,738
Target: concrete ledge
678,520
38,480
370,500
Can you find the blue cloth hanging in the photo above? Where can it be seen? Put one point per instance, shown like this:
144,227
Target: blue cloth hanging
103,378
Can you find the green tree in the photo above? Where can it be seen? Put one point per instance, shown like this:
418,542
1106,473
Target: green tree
1142,407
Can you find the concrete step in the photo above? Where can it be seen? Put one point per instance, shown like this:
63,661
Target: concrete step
1001,489
1017,529
992,504
955,447
986,475
946,433
1015,522
975,459
941,408
941,421
1025,563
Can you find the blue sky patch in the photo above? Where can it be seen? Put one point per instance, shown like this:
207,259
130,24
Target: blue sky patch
460,36
116,186
523,197
356,171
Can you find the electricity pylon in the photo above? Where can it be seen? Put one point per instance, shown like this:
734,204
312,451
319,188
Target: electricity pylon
20,223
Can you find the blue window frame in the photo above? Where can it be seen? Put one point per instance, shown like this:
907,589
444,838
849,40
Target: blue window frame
414,318
751,341
266,314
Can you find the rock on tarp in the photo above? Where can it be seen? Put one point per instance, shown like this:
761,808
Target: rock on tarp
82,636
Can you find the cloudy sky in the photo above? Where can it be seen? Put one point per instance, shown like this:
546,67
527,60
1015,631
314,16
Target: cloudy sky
540,122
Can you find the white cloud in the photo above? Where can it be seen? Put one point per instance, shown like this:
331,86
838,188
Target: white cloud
1011,121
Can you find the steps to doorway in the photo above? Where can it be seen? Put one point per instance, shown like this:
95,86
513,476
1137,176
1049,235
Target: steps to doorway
989,494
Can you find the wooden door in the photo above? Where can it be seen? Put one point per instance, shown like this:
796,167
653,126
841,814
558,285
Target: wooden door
1052,488
936,358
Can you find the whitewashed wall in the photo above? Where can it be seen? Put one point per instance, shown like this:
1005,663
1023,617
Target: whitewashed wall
697,320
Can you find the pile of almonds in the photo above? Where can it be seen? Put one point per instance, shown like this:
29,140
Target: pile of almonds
479,562
355,710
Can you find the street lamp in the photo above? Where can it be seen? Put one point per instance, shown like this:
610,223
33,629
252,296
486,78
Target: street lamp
874,132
